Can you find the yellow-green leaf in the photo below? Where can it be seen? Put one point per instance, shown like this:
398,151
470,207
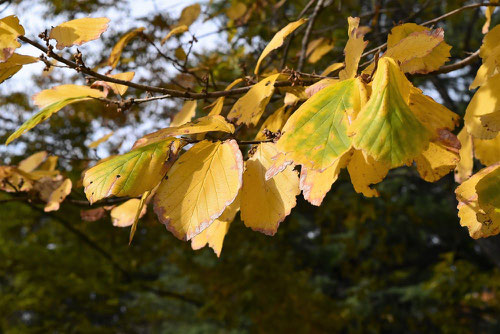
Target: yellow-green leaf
266,203
277,40
316,134
386,128
199,187
199,125
79,31
130,174
10,30
189,15
116,52
249,108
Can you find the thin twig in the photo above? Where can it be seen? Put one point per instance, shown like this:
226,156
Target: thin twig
307,34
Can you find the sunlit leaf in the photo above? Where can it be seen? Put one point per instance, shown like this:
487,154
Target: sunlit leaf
274,122
353,49
466,163
199,187
58,195
30,163
123,215
266,203
490,54
10,30
14,64
219,103
332,68
386,128
49,96
249,108
277,40
316,134
116,88
215,233
116,53
199,125
185,115
141,210
437,161
79,31
487,150
101,140
479,202
130,174
488,13
176,31
317,48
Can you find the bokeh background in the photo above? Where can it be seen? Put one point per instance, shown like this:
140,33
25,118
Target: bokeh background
397,263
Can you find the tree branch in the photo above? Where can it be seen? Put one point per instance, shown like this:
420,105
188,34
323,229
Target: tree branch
307,34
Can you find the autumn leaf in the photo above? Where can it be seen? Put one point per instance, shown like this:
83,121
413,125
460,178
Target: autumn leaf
79,31
250,107
332,68
464,168
353,49
316,134
317,48
490,54
316,184
213,236
278,40
176,31
266,203
437,161
479,202
386,128
274,122
10,30
189,15
185,115
123,215
219,103
101,140
485,101
116,88
116,53
366,171
487,150
139,212
12,65
31,163
130,174
488,13
57,196
199,125
199,187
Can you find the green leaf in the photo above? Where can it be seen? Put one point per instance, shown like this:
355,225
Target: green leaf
316,134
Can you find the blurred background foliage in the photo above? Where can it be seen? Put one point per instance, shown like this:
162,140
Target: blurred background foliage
397,263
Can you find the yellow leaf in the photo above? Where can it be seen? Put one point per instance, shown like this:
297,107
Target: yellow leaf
317,86
58,195
386,128
488,13
199,125
318,48
199,187
249,108
185,115
434,116
141,210
14,64
114,57
274,122
294,94
56,94
277,41
124,214
475,212
316,184
101,140
32,162
215,233
332,68
49,164
266,203
437,161
176,31
189,15
418,49
121,89
219,103
490,53
464,167
13,179
130,174
353,49
487,150
485,101
279,162
79,31
491,121
365,171
10,30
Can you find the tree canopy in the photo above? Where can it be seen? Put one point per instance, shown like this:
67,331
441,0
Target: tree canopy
361,135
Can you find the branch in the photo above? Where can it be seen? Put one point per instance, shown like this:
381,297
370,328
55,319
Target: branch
307,34
458,65
171,92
